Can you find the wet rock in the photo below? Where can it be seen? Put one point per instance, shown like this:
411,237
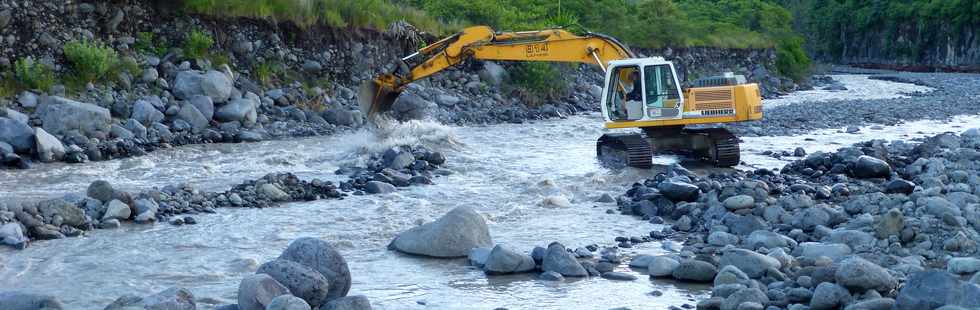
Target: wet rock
870,167
551,276
340,117
358,302
322,257
100,190
174,298
409,106
695,270
452,235
557,259
27,301
204,104
273,192
618,276
49,148
678,190
70,214
301,281
288,302
963,265
829,296
478,256
503,260
13,235
745,295
377,187
859,274
899,186
256,291
116,209
752,263
190,114
212,84
19,135
59,116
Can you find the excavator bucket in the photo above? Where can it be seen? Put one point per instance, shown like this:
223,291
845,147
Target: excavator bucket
375,97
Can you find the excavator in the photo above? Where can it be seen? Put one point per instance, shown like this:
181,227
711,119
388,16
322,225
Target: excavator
642,93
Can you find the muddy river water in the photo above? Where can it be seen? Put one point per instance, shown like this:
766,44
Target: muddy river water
518,175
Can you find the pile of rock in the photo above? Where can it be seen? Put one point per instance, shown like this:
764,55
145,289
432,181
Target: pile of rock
105,207
309,274
832,230
399,166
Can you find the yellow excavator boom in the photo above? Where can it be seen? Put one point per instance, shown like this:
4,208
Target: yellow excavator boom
482,43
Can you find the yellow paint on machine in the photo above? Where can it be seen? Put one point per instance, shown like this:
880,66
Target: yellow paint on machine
747,105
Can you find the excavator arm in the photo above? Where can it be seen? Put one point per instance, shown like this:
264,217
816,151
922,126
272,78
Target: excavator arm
482,43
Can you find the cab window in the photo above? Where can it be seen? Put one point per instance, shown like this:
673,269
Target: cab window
661,91
625,90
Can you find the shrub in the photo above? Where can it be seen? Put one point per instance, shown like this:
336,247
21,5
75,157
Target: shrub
29,74
538,82
197,44
791,59
90,60
146,42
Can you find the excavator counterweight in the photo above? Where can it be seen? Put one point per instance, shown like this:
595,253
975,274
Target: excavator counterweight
638,92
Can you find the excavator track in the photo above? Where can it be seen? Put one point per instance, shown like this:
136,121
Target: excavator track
622,150
723,149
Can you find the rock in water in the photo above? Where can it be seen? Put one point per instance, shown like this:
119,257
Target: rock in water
503,260
301,281
322,257
116,210
870,167
357,302
288,302
829,296
17,134
451,236
377,187
662,266
478,256
59,116
49,148
213,84
679,191
100,190
238,110
859,274
13,235
174,298
71,215
257,291
272,192
752,263
557,259
25,301
190,114
695,270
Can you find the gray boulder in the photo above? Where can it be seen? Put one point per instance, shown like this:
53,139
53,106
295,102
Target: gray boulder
27,99
238,110
492,73
873,304
769,240
829,296
204,104
174,298
19,135
963,265
662,266
410,106
116,209
870,167
26,301
322,257
378,187
357,302
559,260
833,250
503,260
478,256
721,238
288,302
340,116
695,270
272,192
859,274
213,84
190,114
750,262
15,115
101,190
257,291
745,295
145,113
121,132
932,289
59,116
302,281
452,235
70,214
739,202
679,191
134,126
13,235
49,148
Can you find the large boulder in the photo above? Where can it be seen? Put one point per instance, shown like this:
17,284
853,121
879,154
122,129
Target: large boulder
745,295
559,260
320,256
288,302
410,106
503,260
302,281
257,291
59,116
358,302
695,270
678,190
101,190
145,113
451,236
859,274
118,210
213,84
17,134
492,73
932,289
238,110
829,296
963,265
190,114
769,239
13,235
340,116
750,262
870,167
204,104
49,148
174,298
70,214
662,266
26,301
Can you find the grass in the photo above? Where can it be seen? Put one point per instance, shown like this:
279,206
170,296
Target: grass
148,43
90,60
197,44
29,74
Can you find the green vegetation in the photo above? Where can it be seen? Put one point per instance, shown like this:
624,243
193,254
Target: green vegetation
377,14
90,60
539,82
197,44
905,27
28,74
147,43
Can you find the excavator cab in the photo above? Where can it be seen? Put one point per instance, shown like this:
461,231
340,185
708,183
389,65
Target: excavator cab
641,89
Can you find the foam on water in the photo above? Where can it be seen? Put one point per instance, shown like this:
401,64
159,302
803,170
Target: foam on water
858,87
